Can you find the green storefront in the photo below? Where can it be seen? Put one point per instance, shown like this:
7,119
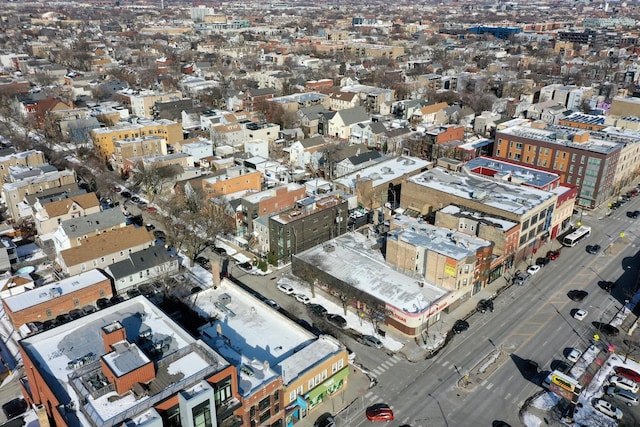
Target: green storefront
327,388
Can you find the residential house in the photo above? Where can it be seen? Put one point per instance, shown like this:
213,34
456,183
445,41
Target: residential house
143,103
151,145
392,140
357,162
49,214
371,98
368,133
343,100
339,126
432,113
9,157
255,99
486,122
301,152
73,231
141,267
232,180
103,249
309,118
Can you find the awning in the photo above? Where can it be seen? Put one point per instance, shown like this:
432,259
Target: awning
330,386
301,402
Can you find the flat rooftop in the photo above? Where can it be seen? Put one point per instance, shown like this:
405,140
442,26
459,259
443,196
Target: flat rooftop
260,341
516,173
385,171
507,197
353,261
70,354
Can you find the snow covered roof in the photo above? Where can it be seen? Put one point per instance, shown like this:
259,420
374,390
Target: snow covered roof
353,261
385,171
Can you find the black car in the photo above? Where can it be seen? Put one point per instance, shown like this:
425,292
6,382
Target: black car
542,261
245,265
63,318
606,328
132,293
136,220
76,313
337,320
14,407
116,299
202,261
460,326
150,227
102,303
607,285
593,249
135,199
159,234
484,305
317,309
220,251
49,324
561,366
577,295
196,289
125,194
633,214
325,420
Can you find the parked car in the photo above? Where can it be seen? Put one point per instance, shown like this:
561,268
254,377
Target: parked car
533,269
379,412
245,265
302,298
135,199
220,251
325,420
88,309
132,293
606,328
125,194
560,366
542,261
372,341
76,313
159,234
317,309
460,326
149,226
623,383
521,278
553,255
577,295
593,249
607,409
627,373
574,355
606,285
202,261
271,303
580,314
337,320
116,299
63,318
484,305
14,407
285,288
633,214
102,303
622,395
195,290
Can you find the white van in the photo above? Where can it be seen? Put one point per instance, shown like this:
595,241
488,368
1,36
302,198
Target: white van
623,383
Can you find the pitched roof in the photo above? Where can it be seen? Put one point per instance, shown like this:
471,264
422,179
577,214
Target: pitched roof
365,157
61,207
433,108
313,141
107,243
343,96
377,127
139,261
92,223
353,115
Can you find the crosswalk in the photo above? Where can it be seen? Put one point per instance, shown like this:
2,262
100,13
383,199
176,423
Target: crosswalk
385,366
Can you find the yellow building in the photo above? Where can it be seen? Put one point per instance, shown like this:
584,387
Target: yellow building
104,139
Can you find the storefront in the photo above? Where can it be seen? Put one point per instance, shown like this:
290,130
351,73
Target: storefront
327,388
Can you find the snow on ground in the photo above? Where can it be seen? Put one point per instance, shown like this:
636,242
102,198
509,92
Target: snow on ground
546,401
363,326
531,420
583,363
30,252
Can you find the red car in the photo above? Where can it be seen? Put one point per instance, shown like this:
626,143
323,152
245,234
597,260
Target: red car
627,373
379,412
552,255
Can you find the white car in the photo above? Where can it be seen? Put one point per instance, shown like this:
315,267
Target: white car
574,355
303,298
533,269
624,383
285,288
580,314
607,409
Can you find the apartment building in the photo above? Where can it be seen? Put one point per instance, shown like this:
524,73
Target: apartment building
591,161
152,145
265,203
128,361
104,139
234,179
9,158
311,222
143,103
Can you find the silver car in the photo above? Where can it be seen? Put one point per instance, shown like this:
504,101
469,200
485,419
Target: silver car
372,341
622,395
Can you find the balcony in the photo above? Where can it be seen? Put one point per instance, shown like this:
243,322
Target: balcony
226,409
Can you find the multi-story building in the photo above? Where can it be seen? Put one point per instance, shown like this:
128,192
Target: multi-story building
232,180
152,145
447,258
51,300
128,361
142,103
284,371
587,160
71,232
9,158
381,183
312,222
255,99
104,139
532,209
49,214
33,182
265,203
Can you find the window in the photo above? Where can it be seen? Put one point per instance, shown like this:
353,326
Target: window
276,395
202,415
264,403
48,312
264,417
76,302
223,390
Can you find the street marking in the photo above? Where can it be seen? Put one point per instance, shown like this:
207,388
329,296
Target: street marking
507,396
377,371
368,394
489,386
445,363
483,383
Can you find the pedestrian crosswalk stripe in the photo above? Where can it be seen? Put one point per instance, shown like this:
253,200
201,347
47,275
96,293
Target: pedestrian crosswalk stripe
489,386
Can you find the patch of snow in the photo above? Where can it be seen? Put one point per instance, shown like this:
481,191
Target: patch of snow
531,420
546,401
